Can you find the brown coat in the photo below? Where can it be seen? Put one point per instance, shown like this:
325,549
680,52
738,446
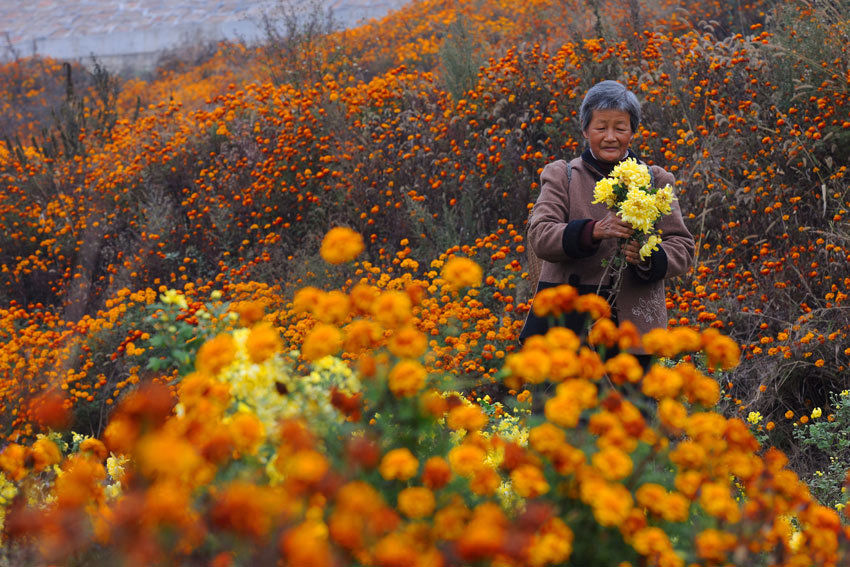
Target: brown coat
642,297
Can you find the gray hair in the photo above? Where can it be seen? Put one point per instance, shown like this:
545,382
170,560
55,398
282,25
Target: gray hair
609,95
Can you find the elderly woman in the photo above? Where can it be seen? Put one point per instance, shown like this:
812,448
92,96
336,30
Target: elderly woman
572,236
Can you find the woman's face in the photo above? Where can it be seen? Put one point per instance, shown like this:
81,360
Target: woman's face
609,134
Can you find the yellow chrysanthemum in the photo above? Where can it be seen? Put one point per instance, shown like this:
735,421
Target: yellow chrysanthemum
604,192
639,210
651,245
631,173
664,198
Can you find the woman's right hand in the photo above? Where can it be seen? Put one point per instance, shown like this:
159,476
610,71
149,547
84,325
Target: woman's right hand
611,226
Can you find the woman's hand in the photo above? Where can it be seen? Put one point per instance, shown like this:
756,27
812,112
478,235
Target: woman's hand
631,249
611,226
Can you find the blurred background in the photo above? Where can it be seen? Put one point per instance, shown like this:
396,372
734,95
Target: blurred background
131,35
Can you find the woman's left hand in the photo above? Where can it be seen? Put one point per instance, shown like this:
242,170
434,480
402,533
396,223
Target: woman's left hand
631,249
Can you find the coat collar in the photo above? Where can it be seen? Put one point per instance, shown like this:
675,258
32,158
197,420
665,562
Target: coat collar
601,169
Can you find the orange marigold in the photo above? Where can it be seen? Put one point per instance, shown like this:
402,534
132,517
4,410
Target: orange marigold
563,410
305,299
362,296
395,550
722,351
215,354
528,481
552,545
416,502
399,464
603,332
307,545
45,453
466,459
408,342
713,545
661,382
470,418
436,473
247,432
392,308
249,312
263,342
332,307
247,509
672,414
624,368
322,341
594,305
530,365
12,461
95,447
555,301
340,245
462,272
546,438
612,463
361,334
406,378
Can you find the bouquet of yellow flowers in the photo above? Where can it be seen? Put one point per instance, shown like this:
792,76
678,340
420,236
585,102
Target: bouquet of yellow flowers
629,192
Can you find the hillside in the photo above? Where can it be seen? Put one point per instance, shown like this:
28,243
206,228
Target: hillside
425,132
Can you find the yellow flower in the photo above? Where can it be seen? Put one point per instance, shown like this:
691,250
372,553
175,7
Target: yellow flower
172,297
754,417
816,413
340,245
639,210
603,192
631,173
462,272
650,246
664,198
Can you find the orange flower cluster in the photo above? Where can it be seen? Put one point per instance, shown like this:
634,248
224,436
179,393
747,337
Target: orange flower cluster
216,176
302,495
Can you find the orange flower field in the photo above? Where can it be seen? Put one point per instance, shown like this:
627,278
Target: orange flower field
263,305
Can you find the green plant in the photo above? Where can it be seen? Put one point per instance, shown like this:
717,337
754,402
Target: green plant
826,442
460,60
178,331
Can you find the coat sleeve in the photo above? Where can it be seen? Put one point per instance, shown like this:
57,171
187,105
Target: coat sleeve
552,235
677,242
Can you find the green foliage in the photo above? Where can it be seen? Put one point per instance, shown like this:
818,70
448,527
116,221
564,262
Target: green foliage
460,59
825,441
176,333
